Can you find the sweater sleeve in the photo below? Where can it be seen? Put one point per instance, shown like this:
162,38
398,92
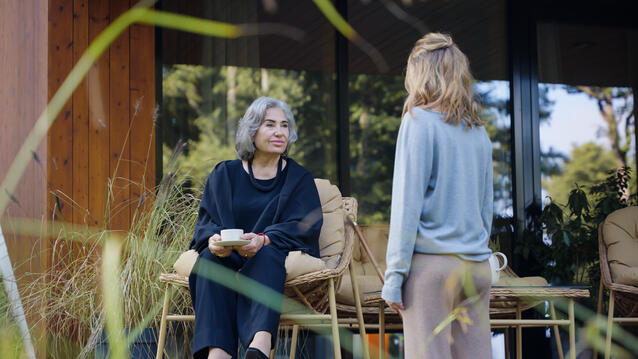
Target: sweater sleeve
412,169
487,211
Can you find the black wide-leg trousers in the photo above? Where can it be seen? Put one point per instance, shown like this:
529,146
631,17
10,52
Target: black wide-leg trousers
222,315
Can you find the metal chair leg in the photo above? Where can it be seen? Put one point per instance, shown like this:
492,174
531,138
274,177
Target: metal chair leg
333,318
357,303
162,334
519,333
572,330
559,344
293,341
381,330
599,309
506,336
610,322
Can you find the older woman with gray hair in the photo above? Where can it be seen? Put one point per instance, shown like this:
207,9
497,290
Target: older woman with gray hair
275,202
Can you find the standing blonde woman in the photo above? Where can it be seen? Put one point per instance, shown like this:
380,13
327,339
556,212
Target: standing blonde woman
441,212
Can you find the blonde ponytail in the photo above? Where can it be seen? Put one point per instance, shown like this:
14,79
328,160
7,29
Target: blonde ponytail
438,77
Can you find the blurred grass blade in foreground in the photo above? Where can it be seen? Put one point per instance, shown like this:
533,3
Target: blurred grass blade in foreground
328,10
112,297
11,287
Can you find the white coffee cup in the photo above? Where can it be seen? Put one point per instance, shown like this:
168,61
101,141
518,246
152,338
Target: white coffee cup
231,234
496,267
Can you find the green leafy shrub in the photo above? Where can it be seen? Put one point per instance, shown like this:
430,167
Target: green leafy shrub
568,251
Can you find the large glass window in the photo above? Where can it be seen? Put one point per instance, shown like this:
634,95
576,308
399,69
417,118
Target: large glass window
208,83
376,98
586,105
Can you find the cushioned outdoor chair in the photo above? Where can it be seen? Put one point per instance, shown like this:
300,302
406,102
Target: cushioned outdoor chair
310,282
618,250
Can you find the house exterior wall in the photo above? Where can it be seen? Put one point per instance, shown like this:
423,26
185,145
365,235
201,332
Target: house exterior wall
23,96
104,134
102,145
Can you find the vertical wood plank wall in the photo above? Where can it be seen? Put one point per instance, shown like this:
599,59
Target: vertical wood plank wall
105,135
23,96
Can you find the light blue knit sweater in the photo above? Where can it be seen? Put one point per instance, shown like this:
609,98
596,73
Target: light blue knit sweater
442,196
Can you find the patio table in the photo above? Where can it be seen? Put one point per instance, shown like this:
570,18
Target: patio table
519,295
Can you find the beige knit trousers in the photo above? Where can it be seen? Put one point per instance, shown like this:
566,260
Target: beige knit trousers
440,285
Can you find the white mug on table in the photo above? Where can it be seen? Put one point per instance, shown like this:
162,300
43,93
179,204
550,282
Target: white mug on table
496,267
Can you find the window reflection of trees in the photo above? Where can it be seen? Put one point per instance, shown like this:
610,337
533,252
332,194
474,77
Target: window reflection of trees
588,163
202,105
376,103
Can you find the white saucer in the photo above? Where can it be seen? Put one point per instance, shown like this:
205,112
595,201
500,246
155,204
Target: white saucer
239,242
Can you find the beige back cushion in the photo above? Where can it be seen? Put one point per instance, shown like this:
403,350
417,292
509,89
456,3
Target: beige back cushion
332,237
367,278
377,238
620,233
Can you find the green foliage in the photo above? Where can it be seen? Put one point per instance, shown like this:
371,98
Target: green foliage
568,252
376,103
587,165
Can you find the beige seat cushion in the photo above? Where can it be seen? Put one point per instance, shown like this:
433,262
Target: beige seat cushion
184,264
522,281
365,282
332,237
620,233
298,263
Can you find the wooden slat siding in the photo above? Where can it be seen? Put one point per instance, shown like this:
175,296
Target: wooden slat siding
142,107
60,140
119,157
23,96
98,117
60,62
80,117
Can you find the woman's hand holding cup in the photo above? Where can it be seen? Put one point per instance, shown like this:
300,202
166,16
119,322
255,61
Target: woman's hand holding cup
250,249
219,251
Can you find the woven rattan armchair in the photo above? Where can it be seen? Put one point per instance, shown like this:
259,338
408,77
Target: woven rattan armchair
315,290
621,296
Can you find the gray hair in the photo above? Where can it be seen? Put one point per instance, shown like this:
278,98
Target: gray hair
253,118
